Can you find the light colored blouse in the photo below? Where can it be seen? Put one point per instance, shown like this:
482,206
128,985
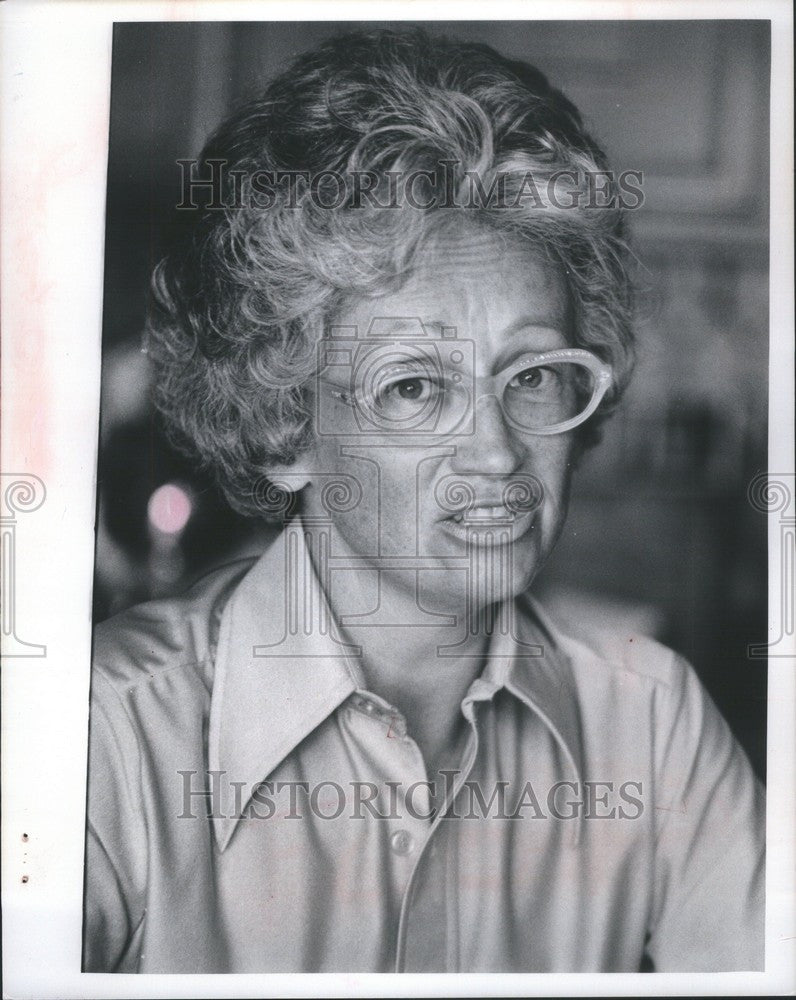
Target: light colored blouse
253,808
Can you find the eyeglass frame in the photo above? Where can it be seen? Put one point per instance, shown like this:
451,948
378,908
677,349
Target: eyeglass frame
495,385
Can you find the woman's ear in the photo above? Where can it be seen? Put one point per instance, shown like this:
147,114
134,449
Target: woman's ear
277,489
297,475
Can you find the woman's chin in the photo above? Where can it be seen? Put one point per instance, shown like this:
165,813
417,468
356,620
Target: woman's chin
492,576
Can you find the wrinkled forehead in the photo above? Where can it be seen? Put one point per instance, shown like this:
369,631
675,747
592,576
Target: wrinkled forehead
457,246
475,279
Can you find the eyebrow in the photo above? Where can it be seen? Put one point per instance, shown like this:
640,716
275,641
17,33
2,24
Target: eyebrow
524,323
536,322
549,327
410,323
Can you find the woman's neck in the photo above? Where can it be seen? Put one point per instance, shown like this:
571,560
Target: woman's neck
419,658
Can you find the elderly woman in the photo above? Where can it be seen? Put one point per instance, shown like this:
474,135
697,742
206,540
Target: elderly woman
394,330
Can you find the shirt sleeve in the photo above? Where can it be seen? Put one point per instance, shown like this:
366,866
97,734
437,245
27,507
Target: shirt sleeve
116,852
708,913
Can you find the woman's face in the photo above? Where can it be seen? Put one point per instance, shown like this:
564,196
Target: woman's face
475,303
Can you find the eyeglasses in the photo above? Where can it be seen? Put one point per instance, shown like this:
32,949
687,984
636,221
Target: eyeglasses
547,393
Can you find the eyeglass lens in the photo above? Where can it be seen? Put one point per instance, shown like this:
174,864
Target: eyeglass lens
427,400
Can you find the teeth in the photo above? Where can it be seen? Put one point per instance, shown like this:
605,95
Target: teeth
492,512
485,514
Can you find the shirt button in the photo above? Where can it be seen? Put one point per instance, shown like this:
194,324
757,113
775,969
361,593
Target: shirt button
401,842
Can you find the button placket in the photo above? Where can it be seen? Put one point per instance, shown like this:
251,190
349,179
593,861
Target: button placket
447,921
406,828
387,716
402,842
412,824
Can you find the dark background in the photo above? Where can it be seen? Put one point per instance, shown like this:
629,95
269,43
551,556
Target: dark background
661,537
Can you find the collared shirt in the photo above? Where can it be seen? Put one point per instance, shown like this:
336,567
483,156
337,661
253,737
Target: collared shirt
253,808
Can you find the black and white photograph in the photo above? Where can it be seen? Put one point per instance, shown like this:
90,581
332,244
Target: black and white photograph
435,538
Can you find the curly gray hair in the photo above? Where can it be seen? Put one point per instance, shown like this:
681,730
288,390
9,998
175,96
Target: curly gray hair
241,307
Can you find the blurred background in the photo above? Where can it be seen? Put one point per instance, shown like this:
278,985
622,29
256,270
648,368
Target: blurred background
661,537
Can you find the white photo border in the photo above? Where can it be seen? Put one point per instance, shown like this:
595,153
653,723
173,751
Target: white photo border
56,69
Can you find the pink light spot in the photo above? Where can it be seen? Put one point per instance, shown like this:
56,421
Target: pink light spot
169,509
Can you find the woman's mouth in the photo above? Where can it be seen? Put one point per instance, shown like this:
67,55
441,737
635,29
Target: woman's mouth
489,525
483,514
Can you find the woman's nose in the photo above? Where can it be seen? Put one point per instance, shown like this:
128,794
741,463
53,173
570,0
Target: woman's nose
491,445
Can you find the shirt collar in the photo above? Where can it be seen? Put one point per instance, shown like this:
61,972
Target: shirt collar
545,682
281,669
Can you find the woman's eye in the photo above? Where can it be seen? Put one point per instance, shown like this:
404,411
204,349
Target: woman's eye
531,378
409,388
